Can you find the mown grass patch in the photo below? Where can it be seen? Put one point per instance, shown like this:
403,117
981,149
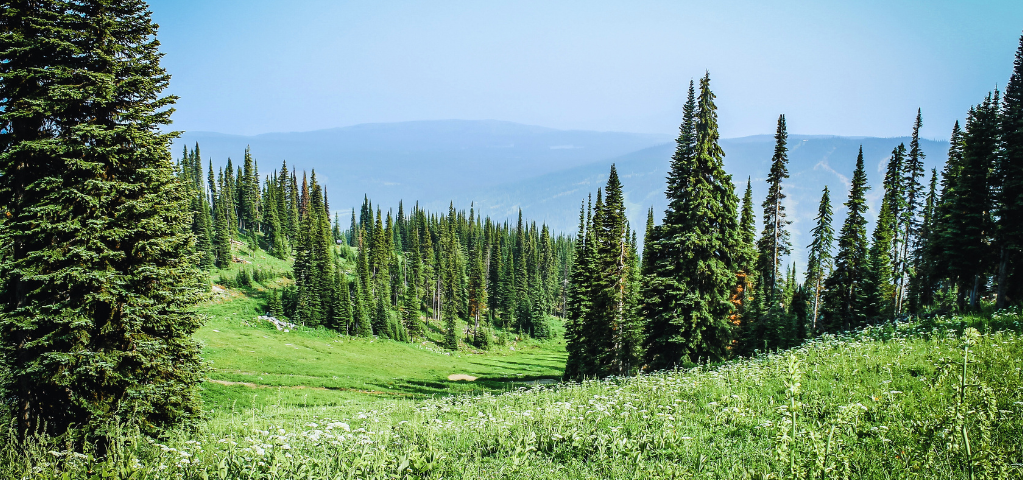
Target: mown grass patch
256,359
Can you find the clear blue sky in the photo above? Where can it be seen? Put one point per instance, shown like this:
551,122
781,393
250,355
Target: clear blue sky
833,67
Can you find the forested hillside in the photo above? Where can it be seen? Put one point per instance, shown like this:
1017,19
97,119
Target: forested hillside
375,273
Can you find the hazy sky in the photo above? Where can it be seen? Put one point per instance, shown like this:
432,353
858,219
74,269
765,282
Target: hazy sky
833,67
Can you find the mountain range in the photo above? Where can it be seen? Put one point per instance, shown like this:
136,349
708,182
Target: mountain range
501,167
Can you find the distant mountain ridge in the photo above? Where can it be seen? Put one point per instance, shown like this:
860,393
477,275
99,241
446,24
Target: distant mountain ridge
423,160
499,167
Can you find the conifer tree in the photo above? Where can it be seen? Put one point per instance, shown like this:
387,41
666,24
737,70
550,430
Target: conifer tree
577,304
880,300
914,196
222,234
605,334
99,265
747,231
921,289
971,225
686,300
942,231
774,240
1009,229
844,287
360,310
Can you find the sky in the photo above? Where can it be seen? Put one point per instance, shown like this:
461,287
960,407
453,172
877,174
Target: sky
857,68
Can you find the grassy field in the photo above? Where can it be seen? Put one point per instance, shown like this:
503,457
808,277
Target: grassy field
941,399
252,361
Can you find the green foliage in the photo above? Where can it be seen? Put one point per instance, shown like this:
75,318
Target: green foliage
100,262
904,407
843,298
686,301
604,332
818,267
774,241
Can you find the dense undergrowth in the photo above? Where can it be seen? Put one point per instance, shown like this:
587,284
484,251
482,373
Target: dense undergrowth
940,398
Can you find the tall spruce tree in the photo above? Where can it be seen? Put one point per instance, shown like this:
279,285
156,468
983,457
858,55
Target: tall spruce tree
605,339
942,231
686,299
844,297
100,262
774,241
818,267
577,304
971,225
1009,230
913,190
921,289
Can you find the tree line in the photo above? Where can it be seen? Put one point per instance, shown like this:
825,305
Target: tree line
707,287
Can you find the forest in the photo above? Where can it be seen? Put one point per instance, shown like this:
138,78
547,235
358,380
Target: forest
145,302
376,275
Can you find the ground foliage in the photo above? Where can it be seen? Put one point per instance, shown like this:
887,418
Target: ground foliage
887,401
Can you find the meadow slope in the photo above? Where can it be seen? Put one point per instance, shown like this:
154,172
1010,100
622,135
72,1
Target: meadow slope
937,399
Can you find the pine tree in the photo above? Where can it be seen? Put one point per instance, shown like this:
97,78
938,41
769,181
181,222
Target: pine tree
942,232
844,287
577,304
971,224
1009,232
603,342
360,310
774,240
99,265
222,234
914,197
921,289
880,302
747,231
686,300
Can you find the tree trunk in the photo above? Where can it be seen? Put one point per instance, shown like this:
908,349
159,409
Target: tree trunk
1003,270
973,293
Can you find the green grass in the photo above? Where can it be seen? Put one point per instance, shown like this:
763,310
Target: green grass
888,402
241,349
251,361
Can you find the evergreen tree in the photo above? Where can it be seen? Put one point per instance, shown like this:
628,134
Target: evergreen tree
604,336
577,304
844,287
914,197
1009,230
99,265
971,225
879,296
747,231
774,240
686,300
222,234
921,289
942,232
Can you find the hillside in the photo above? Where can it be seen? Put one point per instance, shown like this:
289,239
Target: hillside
251,358
913,400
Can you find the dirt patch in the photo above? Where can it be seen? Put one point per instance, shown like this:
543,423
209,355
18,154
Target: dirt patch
454,377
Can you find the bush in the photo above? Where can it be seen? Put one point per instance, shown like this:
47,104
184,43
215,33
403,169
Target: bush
244,278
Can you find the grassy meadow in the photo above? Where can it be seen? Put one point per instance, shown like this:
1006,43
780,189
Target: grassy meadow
935,398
